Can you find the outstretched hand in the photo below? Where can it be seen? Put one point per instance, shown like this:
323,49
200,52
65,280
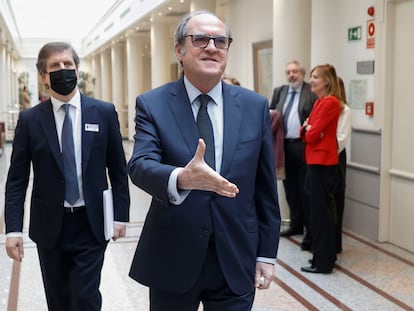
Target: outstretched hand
197,175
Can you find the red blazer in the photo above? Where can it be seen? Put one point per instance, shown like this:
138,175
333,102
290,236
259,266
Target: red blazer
320,141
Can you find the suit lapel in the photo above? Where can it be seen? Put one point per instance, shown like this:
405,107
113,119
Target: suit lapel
89,116
232,111
283,95
181,109
48,124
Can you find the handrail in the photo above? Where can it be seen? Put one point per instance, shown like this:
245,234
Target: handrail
366,130
401,174
365,168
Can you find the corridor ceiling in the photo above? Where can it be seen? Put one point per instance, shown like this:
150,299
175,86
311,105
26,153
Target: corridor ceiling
68,20
87,24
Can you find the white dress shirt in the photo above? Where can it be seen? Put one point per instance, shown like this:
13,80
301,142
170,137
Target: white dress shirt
343,130
215,112
76,115
293,123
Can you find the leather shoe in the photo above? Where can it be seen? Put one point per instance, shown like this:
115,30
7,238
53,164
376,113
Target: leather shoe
312,269
290,231
305,246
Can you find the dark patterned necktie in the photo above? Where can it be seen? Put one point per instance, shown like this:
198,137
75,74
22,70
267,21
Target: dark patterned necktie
69,162
205,130
287,110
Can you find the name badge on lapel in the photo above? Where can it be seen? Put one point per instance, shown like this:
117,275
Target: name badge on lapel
91,127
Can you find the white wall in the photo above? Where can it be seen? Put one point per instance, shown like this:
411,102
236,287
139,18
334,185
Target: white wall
330,22
250,21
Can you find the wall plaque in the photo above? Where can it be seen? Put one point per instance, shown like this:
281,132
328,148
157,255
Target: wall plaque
365,67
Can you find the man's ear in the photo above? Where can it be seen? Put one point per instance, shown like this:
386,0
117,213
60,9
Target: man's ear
43,78
179,52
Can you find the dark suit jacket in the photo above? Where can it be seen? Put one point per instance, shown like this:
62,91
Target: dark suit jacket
306,101
174,240
36,143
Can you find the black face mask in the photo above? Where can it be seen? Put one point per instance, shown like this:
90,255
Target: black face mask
63,81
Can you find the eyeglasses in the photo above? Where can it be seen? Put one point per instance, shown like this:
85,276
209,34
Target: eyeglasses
294,71
201,41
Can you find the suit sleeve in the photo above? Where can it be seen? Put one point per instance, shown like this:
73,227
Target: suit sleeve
117,170
267,203
275,98
18,178
145,168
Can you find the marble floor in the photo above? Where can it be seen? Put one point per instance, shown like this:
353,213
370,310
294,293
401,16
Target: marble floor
368,275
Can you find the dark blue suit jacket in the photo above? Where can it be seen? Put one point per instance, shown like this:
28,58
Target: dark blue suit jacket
36,143
174,239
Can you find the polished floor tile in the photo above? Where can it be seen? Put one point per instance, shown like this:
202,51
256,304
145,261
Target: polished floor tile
368,275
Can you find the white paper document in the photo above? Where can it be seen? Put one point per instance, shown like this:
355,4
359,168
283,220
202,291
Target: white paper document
108,211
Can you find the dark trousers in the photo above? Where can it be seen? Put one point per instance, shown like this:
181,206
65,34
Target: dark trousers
321,180
71,271
211,290
339,196
294,184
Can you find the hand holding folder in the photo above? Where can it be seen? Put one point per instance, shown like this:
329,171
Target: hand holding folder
108,212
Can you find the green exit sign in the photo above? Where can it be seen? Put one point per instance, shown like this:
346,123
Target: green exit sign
354,33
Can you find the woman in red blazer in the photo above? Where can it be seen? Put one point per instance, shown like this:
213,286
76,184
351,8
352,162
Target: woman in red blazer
321,155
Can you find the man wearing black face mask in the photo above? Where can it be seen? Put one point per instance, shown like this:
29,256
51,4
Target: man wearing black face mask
73,144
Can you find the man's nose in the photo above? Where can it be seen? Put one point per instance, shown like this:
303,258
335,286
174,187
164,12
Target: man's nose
211,44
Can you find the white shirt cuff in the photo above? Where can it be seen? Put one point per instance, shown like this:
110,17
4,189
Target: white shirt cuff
14,235
267,260
174,196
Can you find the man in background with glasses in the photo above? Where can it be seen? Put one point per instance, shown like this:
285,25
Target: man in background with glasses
203,150
295,101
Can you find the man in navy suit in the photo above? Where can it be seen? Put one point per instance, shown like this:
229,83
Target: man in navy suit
212,231
295,166
68,232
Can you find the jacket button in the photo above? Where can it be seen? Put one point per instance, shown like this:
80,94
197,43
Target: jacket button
206,232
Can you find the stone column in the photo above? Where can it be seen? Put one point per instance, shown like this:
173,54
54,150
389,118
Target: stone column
119,87
136,74
96,73
106,75
161,51
291,35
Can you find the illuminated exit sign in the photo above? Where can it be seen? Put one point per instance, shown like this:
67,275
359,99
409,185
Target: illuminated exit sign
354,33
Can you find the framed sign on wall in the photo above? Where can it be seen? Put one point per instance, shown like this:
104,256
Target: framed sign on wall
263,67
